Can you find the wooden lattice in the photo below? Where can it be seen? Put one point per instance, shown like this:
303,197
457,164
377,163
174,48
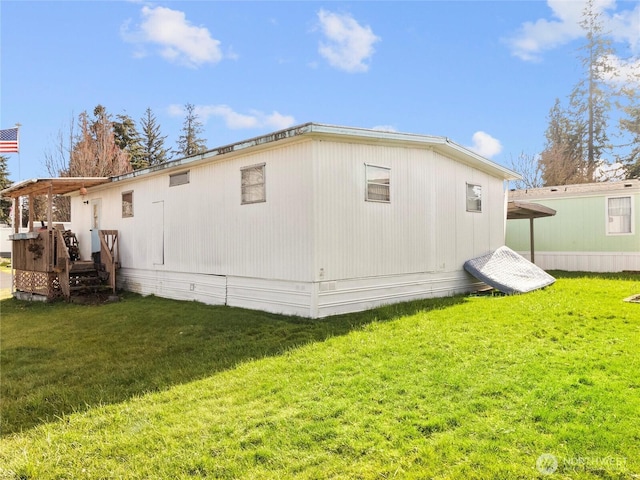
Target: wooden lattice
39,283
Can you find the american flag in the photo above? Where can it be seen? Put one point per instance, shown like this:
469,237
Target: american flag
9,140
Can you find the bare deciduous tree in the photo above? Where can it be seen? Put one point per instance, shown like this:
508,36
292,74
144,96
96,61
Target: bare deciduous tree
528,166
95,152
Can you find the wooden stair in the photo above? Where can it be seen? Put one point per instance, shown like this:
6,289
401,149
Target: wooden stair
87,277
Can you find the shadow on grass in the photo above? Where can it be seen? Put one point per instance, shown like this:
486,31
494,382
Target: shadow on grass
62,358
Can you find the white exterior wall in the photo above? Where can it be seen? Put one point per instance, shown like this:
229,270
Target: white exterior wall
315,247
208,233
372,253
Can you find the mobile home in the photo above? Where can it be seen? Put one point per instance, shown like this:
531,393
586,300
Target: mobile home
595,228
313,220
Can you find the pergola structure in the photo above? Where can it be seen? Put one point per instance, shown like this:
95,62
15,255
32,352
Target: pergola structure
517,210
49,187
46,261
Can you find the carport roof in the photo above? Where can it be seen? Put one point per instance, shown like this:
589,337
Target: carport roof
58,186
519,210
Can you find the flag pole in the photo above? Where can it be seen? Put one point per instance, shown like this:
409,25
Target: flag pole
18,125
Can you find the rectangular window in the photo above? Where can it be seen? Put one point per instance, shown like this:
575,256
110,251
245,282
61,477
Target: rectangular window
474,197
378,184
253,184
619,215
127,204
181,178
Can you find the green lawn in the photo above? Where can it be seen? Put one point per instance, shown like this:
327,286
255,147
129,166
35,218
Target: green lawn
463,387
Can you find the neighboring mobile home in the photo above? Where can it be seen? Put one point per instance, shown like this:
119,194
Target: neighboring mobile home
595,228
313,220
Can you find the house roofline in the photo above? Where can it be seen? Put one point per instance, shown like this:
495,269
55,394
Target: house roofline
442,144
577,190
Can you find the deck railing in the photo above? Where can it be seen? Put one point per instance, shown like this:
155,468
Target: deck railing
109,254
63,264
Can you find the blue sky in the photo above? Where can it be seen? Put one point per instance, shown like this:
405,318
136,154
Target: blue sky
483,73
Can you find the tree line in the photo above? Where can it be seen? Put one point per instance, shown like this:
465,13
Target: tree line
594,135
101,145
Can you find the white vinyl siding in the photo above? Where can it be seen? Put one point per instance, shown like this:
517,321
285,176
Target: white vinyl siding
378,184
253,184
157,233
619,216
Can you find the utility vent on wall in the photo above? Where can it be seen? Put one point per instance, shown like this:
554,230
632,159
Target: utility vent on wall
179,179
327,286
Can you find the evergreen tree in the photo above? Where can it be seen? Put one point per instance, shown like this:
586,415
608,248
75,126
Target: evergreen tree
590,100
5,204
630,124
577,138
153,150
129,140
561,162
190,143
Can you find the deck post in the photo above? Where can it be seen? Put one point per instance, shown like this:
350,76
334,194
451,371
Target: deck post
16,215
50,208
533,257
31,209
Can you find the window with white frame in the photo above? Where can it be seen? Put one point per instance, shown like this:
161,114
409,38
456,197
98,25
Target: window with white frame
127,204
253,184
619,215
378,184
474,197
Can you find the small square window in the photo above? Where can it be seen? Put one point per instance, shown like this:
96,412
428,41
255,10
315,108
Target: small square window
181,178
127,204
378,184
253,184
474,197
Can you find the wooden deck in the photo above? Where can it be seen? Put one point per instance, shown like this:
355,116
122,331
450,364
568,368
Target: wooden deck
45,264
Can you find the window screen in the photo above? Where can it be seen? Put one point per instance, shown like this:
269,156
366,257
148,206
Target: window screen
378,184
474,197
253,184
619,213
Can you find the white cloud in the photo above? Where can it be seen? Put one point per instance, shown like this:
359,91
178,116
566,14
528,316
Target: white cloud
622,72
176,38
347,45
237,121
485,145
534,38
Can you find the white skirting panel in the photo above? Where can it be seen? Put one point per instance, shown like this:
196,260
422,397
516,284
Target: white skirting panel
305,299
276,296
354,295
210,289
587,261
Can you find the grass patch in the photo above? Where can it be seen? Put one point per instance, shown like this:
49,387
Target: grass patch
475,387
